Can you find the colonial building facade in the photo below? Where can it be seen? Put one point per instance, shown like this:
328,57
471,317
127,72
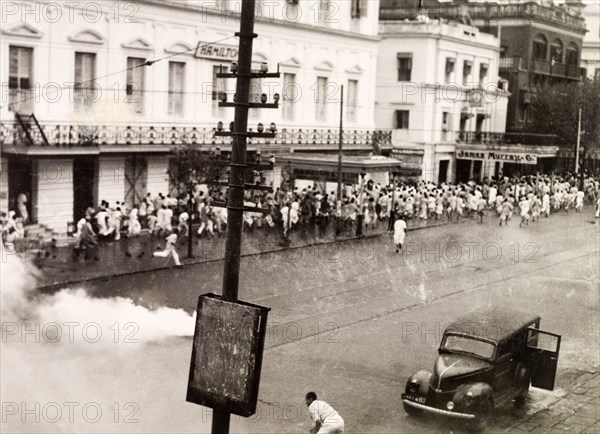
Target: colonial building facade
96,95
541,41
590,55
438,89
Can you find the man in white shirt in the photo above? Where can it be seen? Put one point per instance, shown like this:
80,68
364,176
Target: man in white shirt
326,420
399,233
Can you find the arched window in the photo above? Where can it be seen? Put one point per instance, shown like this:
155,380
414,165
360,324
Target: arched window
572,54
540,47
556,51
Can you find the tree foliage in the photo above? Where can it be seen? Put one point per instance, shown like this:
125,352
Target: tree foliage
189,167
555,110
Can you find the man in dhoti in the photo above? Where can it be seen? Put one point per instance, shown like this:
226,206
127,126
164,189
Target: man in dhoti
326,420
399,233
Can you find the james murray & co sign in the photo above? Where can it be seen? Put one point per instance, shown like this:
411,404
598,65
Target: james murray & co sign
509,157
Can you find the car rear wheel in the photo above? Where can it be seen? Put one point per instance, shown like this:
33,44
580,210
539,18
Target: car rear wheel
523,379
483,415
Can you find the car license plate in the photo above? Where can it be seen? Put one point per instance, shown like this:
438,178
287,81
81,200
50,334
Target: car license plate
419,399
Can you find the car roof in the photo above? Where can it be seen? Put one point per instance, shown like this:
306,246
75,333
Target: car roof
495,324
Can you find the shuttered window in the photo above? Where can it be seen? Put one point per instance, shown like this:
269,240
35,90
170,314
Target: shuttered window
176,87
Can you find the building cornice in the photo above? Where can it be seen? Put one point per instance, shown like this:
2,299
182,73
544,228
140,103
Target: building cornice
449,38
274,21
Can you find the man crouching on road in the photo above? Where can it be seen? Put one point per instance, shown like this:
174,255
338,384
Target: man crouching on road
325,419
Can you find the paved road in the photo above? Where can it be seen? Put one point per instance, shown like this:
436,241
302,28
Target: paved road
350,321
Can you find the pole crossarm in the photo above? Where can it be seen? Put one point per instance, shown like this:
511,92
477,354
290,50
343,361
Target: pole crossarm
273,105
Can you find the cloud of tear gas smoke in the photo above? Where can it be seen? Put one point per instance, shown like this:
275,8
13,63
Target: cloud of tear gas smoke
72,312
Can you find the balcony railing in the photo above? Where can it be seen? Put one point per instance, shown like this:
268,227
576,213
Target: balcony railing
485,138
514,62
63,135
486,11
541,66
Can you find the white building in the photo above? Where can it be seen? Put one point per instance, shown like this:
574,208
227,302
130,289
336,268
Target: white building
437,87
590,54
109,138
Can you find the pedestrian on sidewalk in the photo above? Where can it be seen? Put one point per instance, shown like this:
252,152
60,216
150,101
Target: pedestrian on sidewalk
170,248
399,233
326,420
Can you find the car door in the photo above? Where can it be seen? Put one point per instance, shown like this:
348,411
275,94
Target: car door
541,354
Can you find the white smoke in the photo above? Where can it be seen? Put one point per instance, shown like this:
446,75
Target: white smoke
71,315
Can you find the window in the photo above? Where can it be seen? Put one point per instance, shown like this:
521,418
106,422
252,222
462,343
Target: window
404,66
572,54
134,88
351,100
20,76
290,96
446,125
467,67
85,71
218,88
540,46
464,344
257,88
176,84
445,121
449,69
321,108
358,8
556,50
401,119
483,74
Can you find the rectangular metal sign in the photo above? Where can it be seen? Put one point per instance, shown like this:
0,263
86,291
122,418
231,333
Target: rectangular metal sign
227,355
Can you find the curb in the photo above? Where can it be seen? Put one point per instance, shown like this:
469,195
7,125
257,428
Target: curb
185,263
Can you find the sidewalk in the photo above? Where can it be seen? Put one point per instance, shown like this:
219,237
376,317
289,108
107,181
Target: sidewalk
577,410
134,255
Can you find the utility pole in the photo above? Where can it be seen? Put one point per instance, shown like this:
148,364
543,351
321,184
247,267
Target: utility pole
338,229
578,142
243,73
235,205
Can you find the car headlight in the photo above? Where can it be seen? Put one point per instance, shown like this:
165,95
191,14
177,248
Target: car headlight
450,405
413,386
468,399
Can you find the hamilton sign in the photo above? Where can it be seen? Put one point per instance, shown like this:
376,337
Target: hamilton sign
509,157
206,50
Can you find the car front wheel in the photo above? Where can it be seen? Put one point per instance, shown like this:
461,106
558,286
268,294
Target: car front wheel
483,415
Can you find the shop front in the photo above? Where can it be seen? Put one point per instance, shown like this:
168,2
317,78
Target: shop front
482,162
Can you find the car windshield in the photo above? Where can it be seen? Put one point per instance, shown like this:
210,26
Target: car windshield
469,345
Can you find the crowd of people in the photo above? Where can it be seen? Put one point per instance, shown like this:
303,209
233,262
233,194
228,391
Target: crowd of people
368,204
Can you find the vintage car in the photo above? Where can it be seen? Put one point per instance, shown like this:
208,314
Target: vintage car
487,359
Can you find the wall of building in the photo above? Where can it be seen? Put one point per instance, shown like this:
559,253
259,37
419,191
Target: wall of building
308,50
429,94
591,41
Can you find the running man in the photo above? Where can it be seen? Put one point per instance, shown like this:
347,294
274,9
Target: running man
170,248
